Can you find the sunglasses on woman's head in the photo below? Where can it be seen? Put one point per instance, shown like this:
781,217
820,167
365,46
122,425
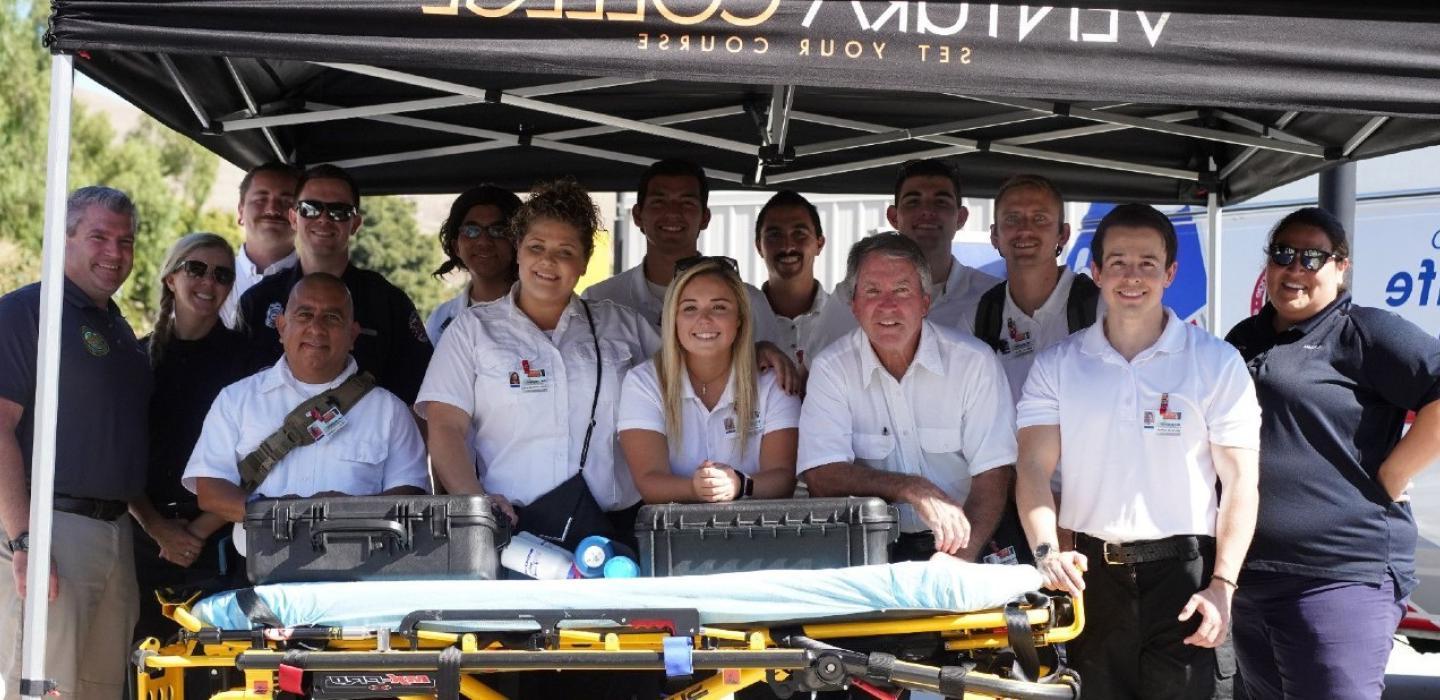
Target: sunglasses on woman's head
684,264
196,269
496,231
335,211
1311,259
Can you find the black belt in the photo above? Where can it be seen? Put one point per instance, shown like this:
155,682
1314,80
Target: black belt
91,507
1143,551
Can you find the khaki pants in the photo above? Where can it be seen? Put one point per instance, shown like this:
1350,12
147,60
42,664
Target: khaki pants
89,627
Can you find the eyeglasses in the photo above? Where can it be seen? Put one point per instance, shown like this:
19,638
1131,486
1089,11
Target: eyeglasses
1311,259
496,231
684,264
196,269
335,211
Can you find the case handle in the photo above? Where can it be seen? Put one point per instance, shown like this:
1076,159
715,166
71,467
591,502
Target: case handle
321,533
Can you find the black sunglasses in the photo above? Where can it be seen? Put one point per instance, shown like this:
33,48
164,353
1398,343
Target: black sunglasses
335,211
1311,259
496,231
196,269
684,264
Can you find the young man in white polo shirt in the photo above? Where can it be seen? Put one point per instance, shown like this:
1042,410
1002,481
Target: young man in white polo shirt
928,210
908,410
789,237
1142,412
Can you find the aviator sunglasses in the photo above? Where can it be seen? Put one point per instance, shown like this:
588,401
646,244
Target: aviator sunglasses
196,269
684,264
1311,259
335,211
495,231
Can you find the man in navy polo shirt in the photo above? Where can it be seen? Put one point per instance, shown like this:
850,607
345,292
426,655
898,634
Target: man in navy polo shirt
99,461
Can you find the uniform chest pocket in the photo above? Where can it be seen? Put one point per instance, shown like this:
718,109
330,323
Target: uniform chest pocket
355,466
938,441
872,447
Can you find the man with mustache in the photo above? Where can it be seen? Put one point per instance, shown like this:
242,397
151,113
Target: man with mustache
927,210
374,448
789,237
392,344
266,195
102,437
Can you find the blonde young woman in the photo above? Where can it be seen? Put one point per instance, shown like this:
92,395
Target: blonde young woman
698,422
193,356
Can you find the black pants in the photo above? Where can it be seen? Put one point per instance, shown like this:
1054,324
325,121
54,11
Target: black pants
1132,646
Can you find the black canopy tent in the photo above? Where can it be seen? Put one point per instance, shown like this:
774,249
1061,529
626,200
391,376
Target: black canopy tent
1156,101
1179,101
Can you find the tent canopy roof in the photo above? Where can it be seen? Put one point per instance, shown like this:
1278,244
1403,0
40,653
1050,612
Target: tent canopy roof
1154,101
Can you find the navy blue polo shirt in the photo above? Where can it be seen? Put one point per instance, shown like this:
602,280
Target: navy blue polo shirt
100,445
392,346
1335,390
188,377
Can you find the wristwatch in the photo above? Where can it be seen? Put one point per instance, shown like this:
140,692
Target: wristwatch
19,544
1044,550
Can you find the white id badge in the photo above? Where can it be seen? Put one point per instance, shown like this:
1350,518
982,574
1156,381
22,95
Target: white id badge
323,425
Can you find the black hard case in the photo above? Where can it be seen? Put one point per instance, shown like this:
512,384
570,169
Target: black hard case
364,538
754,535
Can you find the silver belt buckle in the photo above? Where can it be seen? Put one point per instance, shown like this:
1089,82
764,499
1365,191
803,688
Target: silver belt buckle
1105,553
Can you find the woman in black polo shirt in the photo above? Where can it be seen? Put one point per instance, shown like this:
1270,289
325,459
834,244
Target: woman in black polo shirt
194,356
1333,557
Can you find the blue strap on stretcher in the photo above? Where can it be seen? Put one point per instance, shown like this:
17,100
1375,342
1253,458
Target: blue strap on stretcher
679,657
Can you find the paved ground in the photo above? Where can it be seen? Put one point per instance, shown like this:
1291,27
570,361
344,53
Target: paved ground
1412,675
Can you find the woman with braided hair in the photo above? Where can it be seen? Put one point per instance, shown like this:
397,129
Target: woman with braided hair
193,356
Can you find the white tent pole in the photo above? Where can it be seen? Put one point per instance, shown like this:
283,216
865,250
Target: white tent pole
42,463
1212,232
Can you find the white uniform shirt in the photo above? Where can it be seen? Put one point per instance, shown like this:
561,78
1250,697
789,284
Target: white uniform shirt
1022,336
378,449
795,333
247,275
529,396
445,313
1135,436
948,419
631,290
955,308
707,434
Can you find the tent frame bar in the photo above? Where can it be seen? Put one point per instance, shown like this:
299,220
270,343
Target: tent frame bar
47,381
1250,152
1199,132
184,88
960,146
1363,134
336,113
254,108
498,139
546,107
1259,128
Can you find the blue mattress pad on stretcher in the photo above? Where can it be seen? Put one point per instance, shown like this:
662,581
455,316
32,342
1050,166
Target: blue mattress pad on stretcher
937,586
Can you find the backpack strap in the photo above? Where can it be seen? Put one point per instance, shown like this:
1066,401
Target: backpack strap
294,430
988,316
1081,305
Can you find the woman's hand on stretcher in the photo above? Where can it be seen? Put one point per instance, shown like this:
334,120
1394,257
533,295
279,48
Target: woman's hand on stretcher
1064,571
